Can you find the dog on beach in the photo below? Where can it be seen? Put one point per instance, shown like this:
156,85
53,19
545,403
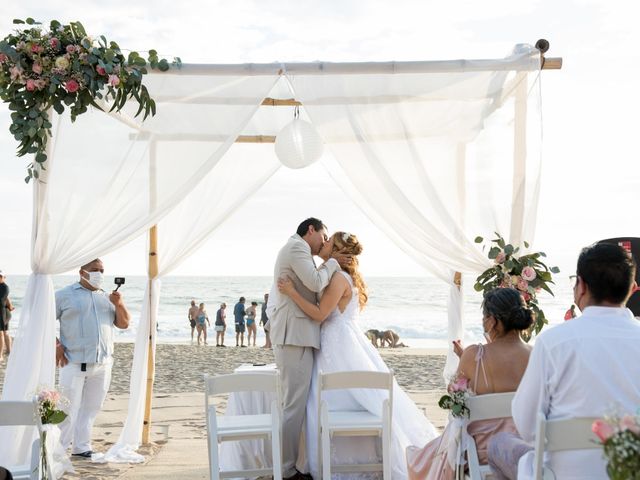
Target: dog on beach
387,338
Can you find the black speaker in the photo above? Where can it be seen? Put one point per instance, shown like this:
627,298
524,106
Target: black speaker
632,245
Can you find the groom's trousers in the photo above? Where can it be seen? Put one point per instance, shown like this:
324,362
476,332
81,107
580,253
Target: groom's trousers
295,365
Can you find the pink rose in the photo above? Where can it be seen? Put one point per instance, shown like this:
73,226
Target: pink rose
114,80
526,297
628,422
16,73
101,70
528,273
459,385
500,258
31,85
37,68
522,285
602,429
54,43
3,58
71,48
35,48
71,86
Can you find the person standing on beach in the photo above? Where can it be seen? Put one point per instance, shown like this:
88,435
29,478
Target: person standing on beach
252,328
293,334
193,316
202,321
5,315
221,325
239,314
84,352
264,321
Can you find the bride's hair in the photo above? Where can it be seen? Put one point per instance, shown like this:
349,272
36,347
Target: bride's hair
348,244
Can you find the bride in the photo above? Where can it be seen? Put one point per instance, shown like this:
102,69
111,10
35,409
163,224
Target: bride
344,347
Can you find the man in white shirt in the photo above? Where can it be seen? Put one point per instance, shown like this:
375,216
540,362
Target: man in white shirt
582,368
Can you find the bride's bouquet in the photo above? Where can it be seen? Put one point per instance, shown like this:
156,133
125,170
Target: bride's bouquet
620,438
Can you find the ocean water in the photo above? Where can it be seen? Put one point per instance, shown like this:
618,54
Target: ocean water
414,307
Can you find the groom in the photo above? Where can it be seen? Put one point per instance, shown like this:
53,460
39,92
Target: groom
293,334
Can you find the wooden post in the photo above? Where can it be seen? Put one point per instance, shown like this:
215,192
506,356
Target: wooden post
153,274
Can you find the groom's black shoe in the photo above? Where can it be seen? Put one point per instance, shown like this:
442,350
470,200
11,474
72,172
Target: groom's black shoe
299,476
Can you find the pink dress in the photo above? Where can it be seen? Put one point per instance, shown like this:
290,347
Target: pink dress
430,462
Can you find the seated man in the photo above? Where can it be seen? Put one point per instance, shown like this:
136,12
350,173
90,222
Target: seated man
580,368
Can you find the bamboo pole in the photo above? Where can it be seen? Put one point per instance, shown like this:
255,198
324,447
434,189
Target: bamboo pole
153,274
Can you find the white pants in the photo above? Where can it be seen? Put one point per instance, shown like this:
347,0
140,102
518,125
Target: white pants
86,392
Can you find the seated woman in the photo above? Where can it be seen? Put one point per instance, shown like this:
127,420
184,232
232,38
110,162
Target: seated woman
493,368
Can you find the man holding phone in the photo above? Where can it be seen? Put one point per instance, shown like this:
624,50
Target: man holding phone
87,316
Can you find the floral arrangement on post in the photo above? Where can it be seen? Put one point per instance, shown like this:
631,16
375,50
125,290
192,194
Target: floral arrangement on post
620,438
456,397
526,273
50,414
62,67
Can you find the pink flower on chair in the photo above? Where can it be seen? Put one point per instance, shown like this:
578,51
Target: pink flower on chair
602,429
628,422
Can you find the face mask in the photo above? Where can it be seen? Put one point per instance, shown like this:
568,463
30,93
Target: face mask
96,279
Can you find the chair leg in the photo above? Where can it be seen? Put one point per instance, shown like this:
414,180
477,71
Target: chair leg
325,446
214,461
276,450
386,443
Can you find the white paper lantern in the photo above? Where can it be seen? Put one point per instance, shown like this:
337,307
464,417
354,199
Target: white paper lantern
298,144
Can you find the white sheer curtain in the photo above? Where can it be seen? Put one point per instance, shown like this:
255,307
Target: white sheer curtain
407,145
234,179
97,196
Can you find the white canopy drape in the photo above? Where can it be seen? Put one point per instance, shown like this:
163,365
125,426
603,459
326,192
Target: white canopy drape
434,153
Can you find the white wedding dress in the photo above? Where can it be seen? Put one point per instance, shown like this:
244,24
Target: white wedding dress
344,347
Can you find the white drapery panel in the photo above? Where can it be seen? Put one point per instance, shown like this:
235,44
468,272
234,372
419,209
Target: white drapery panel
408,145
180,233
102,191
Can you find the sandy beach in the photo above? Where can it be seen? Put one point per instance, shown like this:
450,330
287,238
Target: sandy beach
178,403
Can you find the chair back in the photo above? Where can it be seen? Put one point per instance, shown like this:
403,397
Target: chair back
266,381
356,379
561,435
491,405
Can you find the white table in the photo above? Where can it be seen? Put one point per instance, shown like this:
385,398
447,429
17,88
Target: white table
248,454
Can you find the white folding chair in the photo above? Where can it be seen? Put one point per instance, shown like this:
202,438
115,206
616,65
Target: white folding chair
354,423
560,435
264,426
485,407
25,413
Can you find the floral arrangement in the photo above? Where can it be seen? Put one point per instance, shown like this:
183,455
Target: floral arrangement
620,437
526,273
456,398
62,67
48,402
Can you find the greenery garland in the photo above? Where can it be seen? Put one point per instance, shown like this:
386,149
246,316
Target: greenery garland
62,67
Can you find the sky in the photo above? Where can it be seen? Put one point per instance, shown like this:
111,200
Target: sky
590,110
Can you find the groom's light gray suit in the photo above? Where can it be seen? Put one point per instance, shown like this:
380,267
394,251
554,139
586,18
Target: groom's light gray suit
294,336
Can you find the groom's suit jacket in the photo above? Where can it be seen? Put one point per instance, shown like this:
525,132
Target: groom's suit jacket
289,324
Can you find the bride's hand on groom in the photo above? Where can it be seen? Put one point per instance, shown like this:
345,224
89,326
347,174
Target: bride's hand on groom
285,285
343,259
